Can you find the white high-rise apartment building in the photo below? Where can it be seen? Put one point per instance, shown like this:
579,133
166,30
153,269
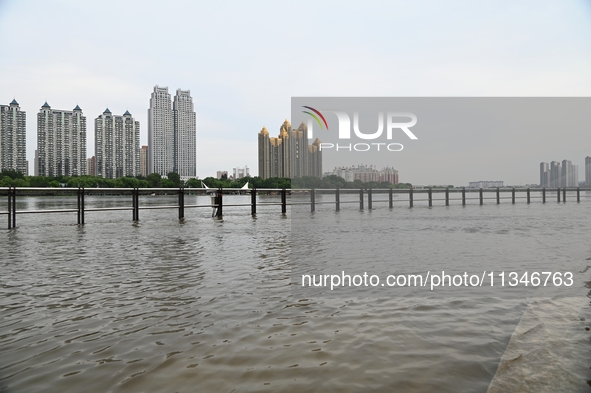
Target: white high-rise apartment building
117,145
172,134
160,133
555,174
61,142
185,157
13,138
239,172
569,174
544,174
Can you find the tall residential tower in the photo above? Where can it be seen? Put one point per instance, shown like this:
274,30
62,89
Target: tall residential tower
13,139
172,134
117,145
544,174
185,154
61,142
160,133
289,155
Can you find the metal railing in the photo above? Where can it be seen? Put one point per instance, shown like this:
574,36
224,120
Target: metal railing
217,203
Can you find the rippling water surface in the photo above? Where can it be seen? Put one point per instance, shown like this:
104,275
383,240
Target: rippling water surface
207,305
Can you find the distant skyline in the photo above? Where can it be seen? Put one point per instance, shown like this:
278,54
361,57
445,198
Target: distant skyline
244,61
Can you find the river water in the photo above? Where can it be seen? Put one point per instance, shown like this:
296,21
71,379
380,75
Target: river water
210,305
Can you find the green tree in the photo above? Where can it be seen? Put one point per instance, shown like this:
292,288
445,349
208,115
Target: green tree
175,179
155,180
11,174
194,183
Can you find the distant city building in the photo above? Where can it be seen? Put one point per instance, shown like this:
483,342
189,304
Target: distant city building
239,173
289,155
185,136
558,174
172,134
160,132
13,138
61,142
544,174
588,171
144,161
366,174
486,184
555,174
570,174
91,166
117,145
222,175
27,174
36,163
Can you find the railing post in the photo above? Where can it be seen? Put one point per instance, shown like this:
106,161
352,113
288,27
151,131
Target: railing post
283,201
253,202
312,200
79,205
369,201
411,197
558,195
361,199
463,196
528,196
9,207
133,217
137,204
220,203
82,207
481,197
564,194
447,197
430,193
498,196
391,198
578,194
14,207
544,195
337,197
513,195
181,203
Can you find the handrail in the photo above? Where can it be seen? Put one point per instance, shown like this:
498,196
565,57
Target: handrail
217,194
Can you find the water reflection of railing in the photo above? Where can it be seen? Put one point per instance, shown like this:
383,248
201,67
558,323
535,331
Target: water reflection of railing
364,195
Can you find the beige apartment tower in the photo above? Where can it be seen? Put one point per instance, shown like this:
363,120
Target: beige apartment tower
289,155
144,161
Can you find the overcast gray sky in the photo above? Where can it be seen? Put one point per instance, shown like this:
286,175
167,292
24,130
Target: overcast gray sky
243,61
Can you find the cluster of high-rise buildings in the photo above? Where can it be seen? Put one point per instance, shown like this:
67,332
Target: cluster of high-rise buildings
172,134
565,174
61,140
237,173
366,174
289,155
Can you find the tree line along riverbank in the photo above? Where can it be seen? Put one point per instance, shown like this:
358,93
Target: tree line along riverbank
173,180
